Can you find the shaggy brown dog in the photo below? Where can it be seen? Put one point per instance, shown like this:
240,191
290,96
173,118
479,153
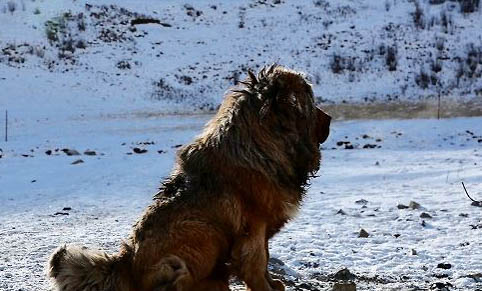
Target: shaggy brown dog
231,190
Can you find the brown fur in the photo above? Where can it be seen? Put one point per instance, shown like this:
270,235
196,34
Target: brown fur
231,190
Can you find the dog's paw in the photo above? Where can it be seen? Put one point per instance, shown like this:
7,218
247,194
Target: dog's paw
277,285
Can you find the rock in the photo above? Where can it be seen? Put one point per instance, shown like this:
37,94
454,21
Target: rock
425,215
401,206
48,152
176,146
423,223
70,152
441,286
60,213
444,266
341,212
348,286
397,235
414,252
67,209
361,201
464,215
90,153
476,203
344,275
276,261
414,205
139,151
161,152
79,161
363,233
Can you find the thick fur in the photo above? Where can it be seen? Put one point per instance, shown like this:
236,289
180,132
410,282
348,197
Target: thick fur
231,190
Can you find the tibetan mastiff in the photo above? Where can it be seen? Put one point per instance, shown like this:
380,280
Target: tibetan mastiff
230,191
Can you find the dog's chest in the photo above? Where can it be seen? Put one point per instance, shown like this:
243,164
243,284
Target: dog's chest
290,209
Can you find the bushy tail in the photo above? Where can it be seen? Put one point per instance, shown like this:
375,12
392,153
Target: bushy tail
74,268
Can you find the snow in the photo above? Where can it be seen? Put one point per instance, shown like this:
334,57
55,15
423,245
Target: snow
426,164
86,101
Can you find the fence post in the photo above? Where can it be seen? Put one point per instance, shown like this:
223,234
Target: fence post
6,125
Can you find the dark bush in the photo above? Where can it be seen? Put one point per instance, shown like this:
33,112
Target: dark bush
336,64
436,66
445,21
418,16
391,58
469,6
422,79
440,43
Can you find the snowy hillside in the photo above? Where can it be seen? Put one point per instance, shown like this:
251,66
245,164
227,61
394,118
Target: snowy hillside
188,53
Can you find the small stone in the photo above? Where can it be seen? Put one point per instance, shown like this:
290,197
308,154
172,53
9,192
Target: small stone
48,152
361,201
70,152
341,212
79,161
476,203
67,209
414,205
397,235
348,286
423,223
414,252
90,153
401,206
161,151
363,233
441,286
425,215
344,275
60,213
444,266
464,215
139,151
176,146
276,261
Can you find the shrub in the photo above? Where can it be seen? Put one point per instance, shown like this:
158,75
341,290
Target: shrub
418,16
436,66
422,79
391,58
469,6
440,43
336,64
11,6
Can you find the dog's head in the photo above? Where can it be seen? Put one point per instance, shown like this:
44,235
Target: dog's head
269,125
284,120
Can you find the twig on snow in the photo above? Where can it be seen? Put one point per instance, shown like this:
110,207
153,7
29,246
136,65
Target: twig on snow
466,192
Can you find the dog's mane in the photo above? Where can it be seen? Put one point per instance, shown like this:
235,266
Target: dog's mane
260,127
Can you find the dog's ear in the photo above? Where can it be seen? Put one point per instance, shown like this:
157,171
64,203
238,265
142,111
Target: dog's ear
269,96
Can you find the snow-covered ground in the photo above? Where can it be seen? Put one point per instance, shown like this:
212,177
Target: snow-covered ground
76,75
46,201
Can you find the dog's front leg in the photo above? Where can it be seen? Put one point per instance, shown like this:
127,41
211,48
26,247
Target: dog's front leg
249,259
275,284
